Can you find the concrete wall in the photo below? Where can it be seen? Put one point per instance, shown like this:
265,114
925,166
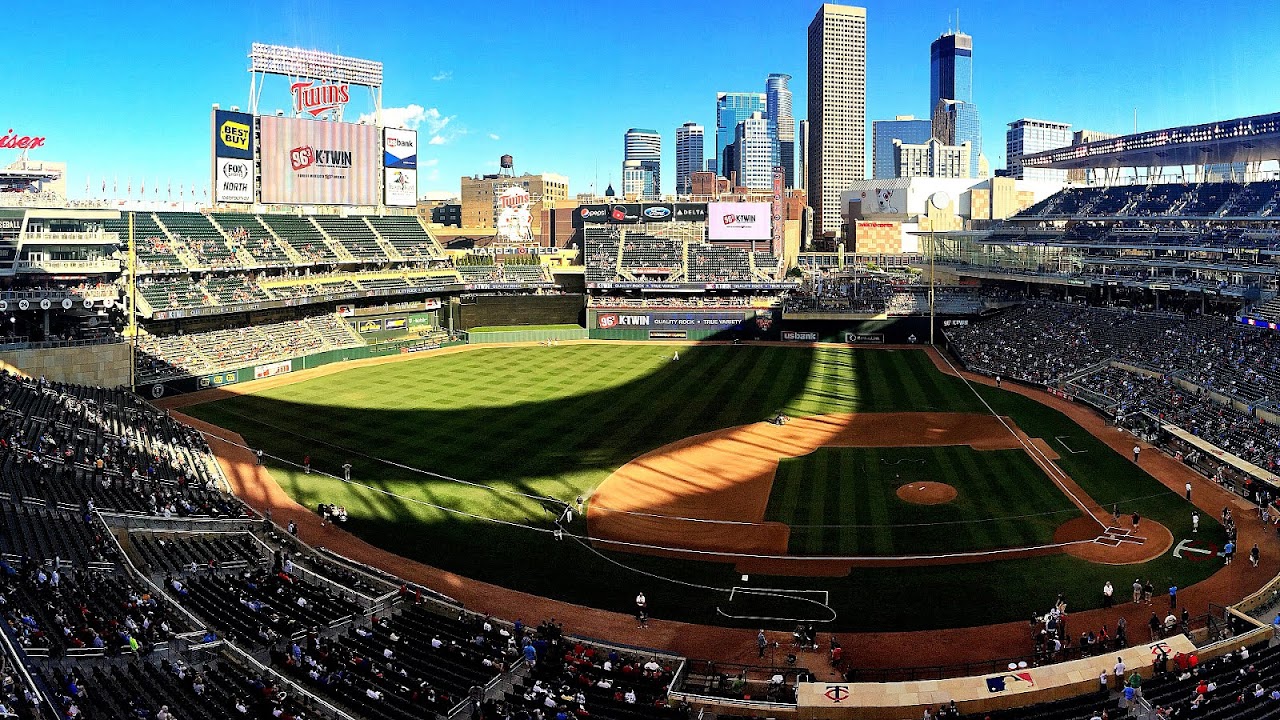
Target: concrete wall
106,365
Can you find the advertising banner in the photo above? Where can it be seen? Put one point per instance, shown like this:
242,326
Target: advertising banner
667,321
690,212
234,180
369,326
657,212
310,162
400,167
232,135
272,369
397,323
624,213
594,214
738,221
799,336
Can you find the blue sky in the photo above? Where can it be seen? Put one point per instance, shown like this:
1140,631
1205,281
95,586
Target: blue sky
124,91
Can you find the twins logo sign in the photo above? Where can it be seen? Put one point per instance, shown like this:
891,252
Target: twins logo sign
837,693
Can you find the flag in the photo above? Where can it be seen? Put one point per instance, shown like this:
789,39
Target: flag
169,191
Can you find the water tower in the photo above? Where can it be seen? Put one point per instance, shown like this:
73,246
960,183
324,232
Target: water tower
507,166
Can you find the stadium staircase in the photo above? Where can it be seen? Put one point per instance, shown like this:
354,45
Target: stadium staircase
383,243
294,257
337,247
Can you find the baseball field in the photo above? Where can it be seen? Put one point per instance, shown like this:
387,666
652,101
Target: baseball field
895,497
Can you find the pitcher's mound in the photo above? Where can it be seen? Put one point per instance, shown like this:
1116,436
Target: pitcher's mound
927,493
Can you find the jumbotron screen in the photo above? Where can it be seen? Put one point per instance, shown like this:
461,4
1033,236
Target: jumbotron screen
312,162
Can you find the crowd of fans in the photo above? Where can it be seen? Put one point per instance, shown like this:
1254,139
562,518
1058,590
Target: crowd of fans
1213,378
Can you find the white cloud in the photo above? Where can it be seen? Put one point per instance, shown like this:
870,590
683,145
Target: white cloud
436,140
429,163
443,75
494,136
433,175
411,117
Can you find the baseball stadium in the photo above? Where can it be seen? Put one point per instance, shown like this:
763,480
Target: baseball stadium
298,451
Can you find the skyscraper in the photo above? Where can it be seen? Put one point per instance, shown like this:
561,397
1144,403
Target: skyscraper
802,141
731,109
837,49
690,147
951,94
753,147
644,147
1026,137
956,123
883,132
782,124
951,68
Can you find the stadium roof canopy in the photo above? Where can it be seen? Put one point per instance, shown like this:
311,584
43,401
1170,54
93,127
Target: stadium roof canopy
1249,139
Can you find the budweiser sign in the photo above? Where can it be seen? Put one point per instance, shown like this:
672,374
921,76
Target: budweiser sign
316,97
13,141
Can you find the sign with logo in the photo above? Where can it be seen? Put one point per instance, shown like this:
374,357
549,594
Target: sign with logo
836,693
400,167
315,97
397,323
689,212
369,326
864,338
515,221
17,141
699,320
795,336
657,213
318,163
738,221
272,369
233,181
232,135
608,321
624,213
1010,681
593,214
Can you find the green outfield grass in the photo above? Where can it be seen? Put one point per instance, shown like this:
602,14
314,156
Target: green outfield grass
843,501
523,328
497,424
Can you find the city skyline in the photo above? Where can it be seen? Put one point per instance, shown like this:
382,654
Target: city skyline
470,107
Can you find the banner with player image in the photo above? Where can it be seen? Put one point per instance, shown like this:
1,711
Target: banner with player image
400,167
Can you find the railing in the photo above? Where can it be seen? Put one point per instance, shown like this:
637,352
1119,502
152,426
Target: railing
24,344
103,237
84,266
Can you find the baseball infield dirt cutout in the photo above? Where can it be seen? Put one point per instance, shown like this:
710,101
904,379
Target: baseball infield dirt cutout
706,495
927,493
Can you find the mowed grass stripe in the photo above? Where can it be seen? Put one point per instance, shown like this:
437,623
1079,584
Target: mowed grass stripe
1004,501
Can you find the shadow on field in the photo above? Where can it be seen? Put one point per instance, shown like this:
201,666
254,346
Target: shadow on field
560,447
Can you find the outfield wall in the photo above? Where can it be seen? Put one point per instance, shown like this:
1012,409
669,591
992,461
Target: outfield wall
517,336
257,372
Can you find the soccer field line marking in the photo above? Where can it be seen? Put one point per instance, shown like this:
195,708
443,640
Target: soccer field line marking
1056,474
1068,447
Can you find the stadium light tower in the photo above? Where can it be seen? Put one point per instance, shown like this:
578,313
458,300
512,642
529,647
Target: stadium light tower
304,68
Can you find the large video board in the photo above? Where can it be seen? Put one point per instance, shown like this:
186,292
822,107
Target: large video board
310,162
